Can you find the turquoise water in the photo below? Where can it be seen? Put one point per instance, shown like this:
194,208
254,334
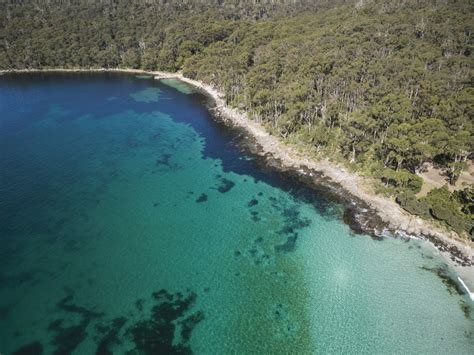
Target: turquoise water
130,222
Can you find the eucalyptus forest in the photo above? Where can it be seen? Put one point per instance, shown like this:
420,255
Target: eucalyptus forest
383,86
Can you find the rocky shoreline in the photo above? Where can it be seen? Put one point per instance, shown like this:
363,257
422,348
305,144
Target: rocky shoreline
366,211
361,217
375,214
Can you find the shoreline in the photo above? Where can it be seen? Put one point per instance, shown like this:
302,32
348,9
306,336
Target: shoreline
393,218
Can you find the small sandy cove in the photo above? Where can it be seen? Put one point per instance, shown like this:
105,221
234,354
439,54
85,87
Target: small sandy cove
389,211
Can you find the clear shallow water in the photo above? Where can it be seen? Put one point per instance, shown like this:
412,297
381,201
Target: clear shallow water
130,222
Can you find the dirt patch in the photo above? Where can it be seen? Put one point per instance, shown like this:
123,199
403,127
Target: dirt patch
435,177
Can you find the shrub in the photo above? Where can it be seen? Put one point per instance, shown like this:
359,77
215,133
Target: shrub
402,180
466,199
446,207
410,203
442,205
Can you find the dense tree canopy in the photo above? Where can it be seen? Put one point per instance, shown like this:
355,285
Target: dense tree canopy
386,85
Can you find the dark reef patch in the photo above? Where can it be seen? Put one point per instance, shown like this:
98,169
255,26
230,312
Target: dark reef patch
188,324
349,218
66,305
451,285
456,255
279,312
34,348
202,198
169,317
164,163
255,216
164,160
225,185
292,223
67,338
291,214
252,202
257,253
465,309
360,220
288,246
167,329
111,336
281,315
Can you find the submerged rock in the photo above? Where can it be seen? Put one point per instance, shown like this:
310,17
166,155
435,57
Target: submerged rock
252,202
288,246
226,185
202,198
255,216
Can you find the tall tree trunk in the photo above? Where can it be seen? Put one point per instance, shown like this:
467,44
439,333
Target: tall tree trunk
353,154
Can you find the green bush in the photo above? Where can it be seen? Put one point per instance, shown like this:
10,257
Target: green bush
466,199
410,203
402,180
442,205
452,218
445,206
